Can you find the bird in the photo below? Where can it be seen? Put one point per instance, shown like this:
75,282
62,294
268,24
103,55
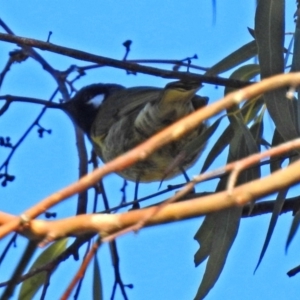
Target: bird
116,119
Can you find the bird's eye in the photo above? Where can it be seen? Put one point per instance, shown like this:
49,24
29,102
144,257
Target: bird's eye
96,101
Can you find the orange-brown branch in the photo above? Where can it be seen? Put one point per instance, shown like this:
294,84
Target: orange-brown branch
173,132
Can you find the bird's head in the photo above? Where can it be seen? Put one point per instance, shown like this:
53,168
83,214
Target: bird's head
84,106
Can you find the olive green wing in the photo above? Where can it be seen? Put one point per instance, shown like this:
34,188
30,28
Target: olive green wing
120,104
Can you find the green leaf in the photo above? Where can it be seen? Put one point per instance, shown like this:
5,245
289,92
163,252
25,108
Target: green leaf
296,51
239,148
218,231
237,126
234,59
234,114
31,285
221,143
277,161
21,266
275,164
257,131
97,283
244,73
296,66
250,109
242,145
241,130
293,229
275,214
289,52
216,236
269,33
204,237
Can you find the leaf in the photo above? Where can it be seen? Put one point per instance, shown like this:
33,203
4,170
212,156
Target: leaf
275,164
234,59
251,109
257,131
269,34
31,285
225,228
204,237
216,236
240,129
219,230
296,66
234,114
221,143
245,73
289,52
239,149
293,229
251,31
97,283
19,269
275,214
296,51
237,125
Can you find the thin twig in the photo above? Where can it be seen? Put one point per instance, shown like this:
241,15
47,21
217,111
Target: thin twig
82,269
121,64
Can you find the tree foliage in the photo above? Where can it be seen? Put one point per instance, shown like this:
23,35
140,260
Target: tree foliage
238,133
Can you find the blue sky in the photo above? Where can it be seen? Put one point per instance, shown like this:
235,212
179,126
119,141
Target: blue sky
158,261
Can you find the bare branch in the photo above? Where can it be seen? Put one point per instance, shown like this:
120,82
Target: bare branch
121,64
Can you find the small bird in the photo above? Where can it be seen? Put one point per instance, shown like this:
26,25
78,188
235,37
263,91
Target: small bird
116,119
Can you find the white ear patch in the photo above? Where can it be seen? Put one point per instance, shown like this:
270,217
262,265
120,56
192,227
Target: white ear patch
96,101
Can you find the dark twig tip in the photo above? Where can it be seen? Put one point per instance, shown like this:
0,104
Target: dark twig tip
49,35
131,286
127,44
